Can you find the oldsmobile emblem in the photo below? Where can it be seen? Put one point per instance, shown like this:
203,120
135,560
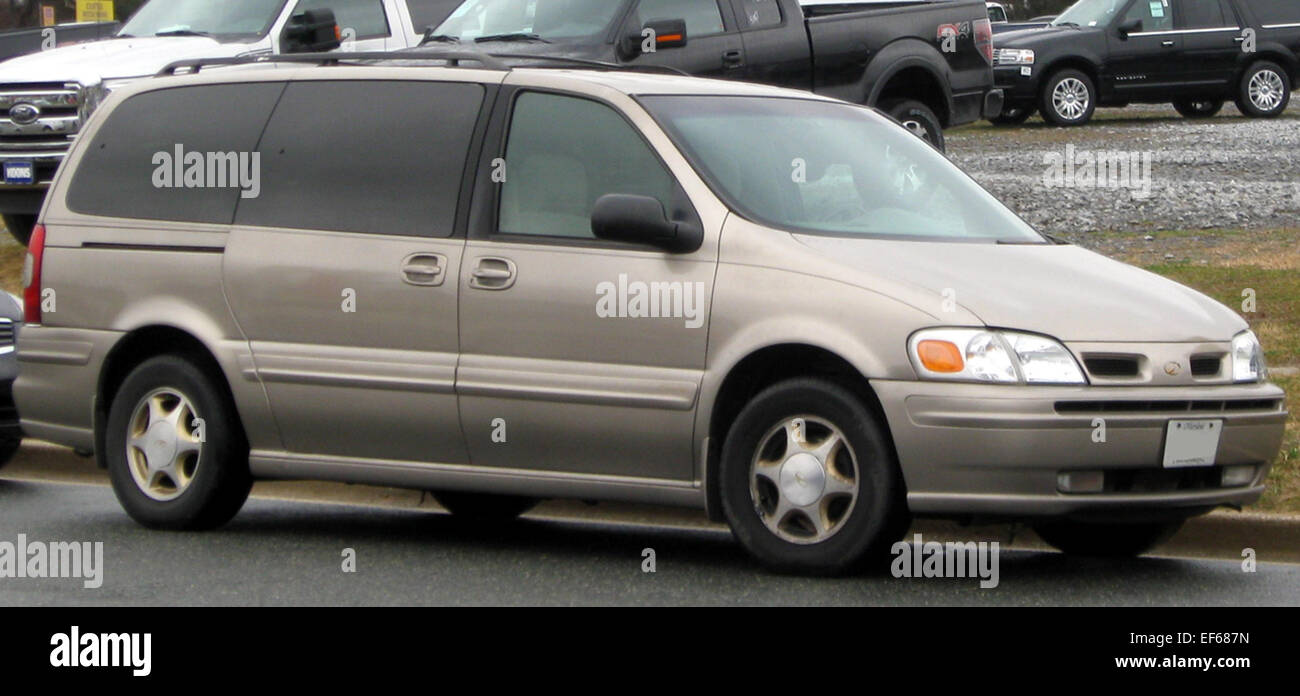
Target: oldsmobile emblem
1173,369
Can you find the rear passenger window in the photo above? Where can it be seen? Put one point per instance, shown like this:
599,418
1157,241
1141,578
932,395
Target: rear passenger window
377,157
364,17
1275,11
181,154
760,13
1203,14
703,17
562,154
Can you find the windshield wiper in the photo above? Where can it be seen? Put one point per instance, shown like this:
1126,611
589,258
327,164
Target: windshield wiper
517,36
182,32
439,38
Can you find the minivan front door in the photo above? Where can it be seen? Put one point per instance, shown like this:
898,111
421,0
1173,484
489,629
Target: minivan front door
343,271
567,365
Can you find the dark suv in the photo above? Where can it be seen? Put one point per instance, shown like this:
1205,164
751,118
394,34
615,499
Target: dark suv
1196,54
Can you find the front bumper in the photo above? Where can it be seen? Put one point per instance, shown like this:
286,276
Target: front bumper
997,451
1018,89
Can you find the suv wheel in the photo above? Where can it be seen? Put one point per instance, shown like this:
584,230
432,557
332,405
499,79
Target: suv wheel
484,507
1265,90
1191,108
1106,539
918,118
20,227
1069,98
808,480
1013,116
175,450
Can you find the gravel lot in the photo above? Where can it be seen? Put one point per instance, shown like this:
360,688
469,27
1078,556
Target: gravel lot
1228,172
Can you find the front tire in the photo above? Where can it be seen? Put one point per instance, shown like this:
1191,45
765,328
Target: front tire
917,118
20,227
1265,90
808,480
175,449
1204,108
1107,540
1069,98
1013,116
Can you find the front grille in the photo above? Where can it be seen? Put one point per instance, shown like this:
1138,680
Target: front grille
46,141
1206,365
1113,365
6,333
1169,406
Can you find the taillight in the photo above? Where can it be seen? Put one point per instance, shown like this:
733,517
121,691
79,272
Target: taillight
32,276
984,39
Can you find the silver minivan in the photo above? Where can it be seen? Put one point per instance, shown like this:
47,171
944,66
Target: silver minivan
508,285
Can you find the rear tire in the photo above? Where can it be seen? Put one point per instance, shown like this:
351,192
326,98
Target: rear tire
1109,540
1069,98
1013,116
1203,108
484,507
808,480
917,118
1265,90
20,227
166,472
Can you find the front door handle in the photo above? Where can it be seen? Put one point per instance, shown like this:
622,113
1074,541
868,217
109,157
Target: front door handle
492,273
733,58
424,269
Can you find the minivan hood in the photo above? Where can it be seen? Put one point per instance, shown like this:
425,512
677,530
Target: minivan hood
89,63
1063,291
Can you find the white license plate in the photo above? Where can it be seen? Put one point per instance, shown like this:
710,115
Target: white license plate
20,173
1191,443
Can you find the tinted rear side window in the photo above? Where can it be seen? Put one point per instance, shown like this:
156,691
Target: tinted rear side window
1275,11
376,157
131,168
1203,14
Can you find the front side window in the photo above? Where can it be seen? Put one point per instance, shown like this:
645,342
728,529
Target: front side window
760,13
1155,15
562,154
365,18
228,19
1090,13
703,18
830,168
552,20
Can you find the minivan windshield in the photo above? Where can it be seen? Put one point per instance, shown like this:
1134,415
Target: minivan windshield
831,168
1090,13
523,20
224,20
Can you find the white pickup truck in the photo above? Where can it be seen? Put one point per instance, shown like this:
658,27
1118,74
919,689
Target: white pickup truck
46,96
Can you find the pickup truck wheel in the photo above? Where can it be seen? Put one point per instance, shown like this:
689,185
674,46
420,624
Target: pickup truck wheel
1106,540
808,480
176,453
1013,116
1191,108
20,227
1265,90
484,507
918,118
1068,98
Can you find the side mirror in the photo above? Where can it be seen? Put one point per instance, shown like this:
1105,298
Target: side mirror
655,35
1132,26
622,217
311,31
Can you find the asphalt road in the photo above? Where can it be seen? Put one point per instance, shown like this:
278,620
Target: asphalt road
279,552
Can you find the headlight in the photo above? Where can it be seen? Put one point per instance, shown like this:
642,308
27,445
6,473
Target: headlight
984,355
1015,56
1247,358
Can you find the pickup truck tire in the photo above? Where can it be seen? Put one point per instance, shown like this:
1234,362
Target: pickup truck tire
20,227
1191,108
1265,90
1105,539
1013,116
1069,98
918,118
165,473
483,507
809,483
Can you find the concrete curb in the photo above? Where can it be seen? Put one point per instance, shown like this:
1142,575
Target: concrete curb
1220,535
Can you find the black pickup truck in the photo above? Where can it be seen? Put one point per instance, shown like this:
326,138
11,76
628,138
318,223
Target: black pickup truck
925,62
1195,54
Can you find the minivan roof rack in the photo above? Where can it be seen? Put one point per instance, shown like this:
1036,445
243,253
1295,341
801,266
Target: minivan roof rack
453,57
491,61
